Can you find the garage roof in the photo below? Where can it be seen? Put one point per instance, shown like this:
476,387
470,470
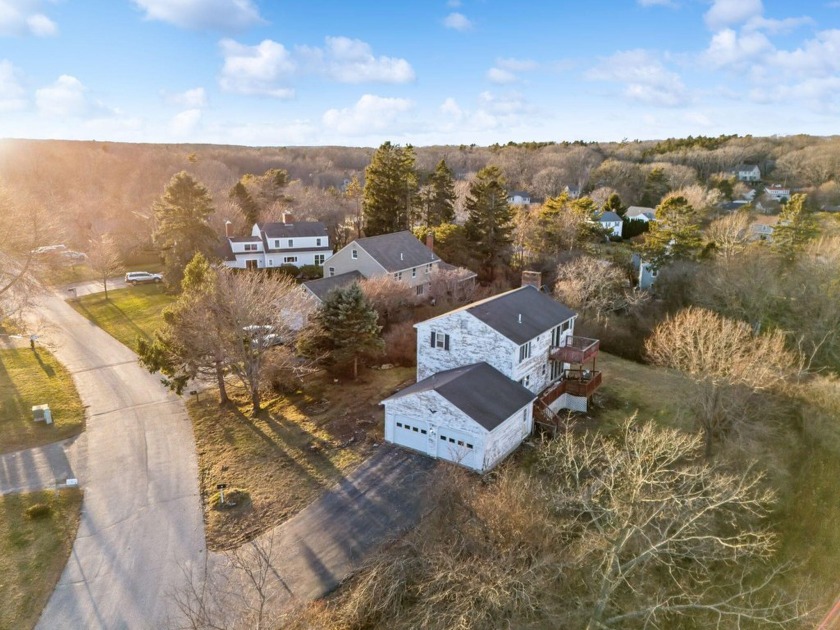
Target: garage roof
479,390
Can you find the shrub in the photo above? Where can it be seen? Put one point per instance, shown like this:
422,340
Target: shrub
38,511
289,270
311,272
401,344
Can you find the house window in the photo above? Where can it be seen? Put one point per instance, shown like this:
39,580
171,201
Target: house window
331,271
270,262
399,424
317,242
443,437
398,275
524,351
319,259
543,370
556,370
525,381
440,340
428,269
469,445
557,333
354,253
452,440
420,289
414,272
289,259
250,247
291,243
277,244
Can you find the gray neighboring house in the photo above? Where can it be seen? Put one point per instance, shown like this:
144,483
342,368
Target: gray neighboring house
276,244
747,172
400,254
322,286
640,213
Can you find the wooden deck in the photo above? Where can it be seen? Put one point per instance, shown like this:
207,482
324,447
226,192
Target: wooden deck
575,350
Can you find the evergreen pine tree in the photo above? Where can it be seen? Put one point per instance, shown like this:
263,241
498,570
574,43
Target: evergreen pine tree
182,230
347,327
674,235
613,204
796,227
489,226
390,192
441,202
246,204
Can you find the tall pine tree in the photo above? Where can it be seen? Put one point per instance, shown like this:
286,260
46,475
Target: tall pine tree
796,227
390,193
246,204
489,226
182,230
674,235
440,206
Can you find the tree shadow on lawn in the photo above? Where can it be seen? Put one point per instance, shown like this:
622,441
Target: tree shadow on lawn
48,369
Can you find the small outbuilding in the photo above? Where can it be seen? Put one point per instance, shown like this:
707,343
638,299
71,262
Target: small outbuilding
471,415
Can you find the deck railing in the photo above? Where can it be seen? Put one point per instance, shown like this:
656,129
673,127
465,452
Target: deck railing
575,349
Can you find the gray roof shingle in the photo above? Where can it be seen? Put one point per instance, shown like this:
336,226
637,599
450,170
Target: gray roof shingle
479,390
609,216
521,314
322,286
397,251
292,230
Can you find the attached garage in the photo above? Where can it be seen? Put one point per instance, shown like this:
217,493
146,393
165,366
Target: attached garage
473,416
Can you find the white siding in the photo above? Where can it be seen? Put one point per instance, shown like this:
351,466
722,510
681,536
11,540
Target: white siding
506,437
470,341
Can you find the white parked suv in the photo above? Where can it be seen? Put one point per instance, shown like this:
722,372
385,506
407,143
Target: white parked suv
142,277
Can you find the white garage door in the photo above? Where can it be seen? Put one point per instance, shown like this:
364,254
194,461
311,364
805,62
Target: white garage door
457,447
412,433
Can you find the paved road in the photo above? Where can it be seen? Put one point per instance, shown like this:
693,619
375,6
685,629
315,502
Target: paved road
141,516
93,286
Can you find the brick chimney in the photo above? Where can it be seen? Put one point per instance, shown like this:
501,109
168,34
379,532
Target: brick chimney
227,228
532,278
288,218
430,241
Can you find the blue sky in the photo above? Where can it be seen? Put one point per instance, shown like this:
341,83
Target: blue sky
447,72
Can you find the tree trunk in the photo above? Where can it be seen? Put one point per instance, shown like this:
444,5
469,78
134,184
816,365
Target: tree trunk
355,368
255,401
105,285
220,381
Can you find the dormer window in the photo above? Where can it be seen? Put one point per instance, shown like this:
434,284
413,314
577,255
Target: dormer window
291,243
317,242
277,244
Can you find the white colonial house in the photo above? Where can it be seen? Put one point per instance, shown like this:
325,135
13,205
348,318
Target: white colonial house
611,223
399,254
486,373
276,244
747,173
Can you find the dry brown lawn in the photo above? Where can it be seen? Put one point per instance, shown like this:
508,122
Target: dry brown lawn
282,460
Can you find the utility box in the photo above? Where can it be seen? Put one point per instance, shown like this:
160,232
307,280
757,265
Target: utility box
42,413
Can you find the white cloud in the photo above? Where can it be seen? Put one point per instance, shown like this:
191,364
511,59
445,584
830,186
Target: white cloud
370,113
728,48
724,13
23,17
221,15
816,57
457,21
65,97
195,98
260,69
644,77
773,26
41,26
450,108
498,75
12,92
516,65
185,123
352,61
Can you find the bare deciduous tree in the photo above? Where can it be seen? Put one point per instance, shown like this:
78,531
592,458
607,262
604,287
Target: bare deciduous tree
391,298
726,361
661,535
596,287
730,234
452,286
104,258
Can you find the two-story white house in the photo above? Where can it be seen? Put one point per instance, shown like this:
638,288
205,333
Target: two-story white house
640,213
611,223
275,244
519,198
480,369
747,173
399,254
778,192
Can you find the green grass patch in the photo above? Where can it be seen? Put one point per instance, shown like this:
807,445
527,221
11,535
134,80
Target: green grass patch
58,274
127,313
33,552
30,378
299,446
